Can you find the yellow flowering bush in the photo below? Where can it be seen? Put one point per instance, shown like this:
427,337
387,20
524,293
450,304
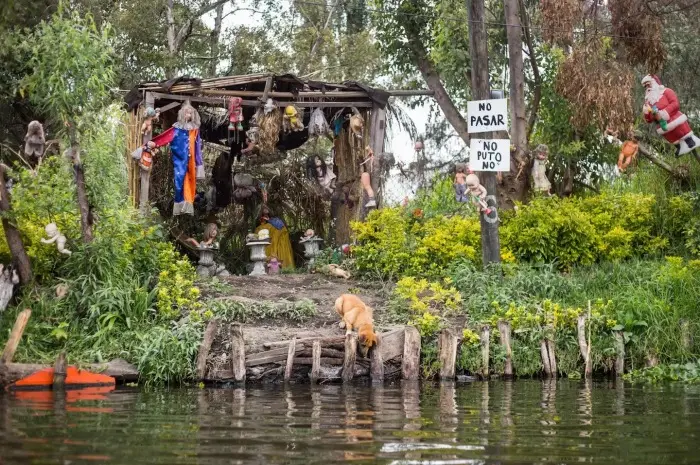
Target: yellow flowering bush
470,338
422,295
175,290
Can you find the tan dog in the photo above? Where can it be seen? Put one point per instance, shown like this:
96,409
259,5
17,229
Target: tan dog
355,314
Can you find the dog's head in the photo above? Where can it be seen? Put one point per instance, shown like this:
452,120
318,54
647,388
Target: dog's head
367,339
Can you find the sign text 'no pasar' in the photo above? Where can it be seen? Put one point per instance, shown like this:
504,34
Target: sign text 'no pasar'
487,115
489,155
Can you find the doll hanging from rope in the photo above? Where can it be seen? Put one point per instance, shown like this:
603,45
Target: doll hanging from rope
366,167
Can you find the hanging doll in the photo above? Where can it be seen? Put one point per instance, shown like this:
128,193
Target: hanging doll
628,152
235,114
34,141
316,169
55,236
357,126
208,242
661,107
318,126
477,193
150,115
460,183
186,150
366,167
539,169
291,120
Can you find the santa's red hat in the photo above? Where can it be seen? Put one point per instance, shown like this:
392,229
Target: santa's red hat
651,77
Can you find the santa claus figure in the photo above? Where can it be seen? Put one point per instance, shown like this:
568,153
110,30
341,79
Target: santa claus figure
661,107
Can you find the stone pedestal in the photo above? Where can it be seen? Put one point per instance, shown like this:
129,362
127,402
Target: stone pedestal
258,257
207,267
312,247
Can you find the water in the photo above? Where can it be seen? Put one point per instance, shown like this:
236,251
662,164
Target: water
525,422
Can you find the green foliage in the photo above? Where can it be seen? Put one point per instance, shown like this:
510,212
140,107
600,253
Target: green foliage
231,310
72,68
175,289
685,373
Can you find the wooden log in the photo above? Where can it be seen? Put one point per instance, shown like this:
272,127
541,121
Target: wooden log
485,338
350,356
545,358
325,352
238,362
266,91
447,348
316,363
410,365
324,361
504,331
620,353
15,336
392,344
584,347
59,372
376,362
552,357
306,341
221,102
205,347
290,361
271,356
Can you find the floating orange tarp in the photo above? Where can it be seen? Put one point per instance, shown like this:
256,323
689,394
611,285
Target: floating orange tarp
75,379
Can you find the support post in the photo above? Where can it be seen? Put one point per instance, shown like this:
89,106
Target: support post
620,353
291,351
485,338
15,336
447,348
686,338
552,357
410,365
478,46
145,175
376,142
350,355
59,372
376,362
583,345
205,347
316,362
504,331
237,353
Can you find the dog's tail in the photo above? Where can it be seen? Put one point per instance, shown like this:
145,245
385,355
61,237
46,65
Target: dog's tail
339,305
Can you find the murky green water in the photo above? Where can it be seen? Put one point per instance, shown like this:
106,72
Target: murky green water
524,422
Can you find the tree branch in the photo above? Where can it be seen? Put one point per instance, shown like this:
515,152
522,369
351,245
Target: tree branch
537,95
319,39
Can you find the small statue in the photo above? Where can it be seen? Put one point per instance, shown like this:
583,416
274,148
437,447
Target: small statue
291,121
208,241
460,183
628,152
56,236
661,106
317,169
366,167
235,114
273,266
477,193
307,235
269,106
539,169
34,140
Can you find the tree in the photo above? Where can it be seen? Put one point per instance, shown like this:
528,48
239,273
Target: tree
71,63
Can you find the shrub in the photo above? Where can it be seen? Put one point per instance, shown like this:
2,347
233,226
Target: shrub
384,243
175,290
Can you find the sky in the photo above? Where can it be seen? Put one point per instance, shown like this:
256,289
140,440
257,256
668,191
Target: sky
399,141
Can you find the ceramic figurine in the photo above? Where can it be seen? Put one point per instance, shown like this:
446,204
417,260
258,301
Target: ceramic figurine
273,266
308,234
460,183
477,193
539,169
366,167
628,152
235,114
661,107
185,145
56,236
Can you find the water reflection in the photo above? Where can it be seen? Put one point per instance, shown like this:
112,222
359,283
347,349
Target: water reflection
518,422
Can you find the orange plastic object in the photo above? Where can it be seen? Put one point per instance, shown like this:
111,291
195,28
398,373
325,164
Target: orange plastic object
75,379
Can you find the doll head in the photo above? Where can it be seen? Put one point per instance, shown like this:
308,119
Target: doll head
211,232
542,152
472,181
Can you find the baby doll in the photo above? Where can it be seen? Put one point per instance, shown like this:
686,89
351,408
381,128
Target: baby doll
460,184
477,193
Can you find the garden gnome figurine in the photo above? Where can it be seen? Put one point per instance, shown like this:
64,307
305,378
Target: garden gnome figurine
273,267
661,107
539,169
477,193
56,236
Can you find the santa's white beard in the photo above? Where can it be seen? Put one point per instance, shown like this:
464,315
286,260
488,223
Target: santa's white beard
654,94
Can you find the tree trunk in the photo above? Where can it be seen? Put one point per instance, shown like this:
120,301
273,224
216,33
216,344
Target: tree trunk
14,240
515,182
83,204
478,45
214,40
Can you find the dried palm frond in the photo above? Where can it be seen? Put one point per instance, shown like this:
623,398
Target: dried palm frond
559,18
638,30
598,87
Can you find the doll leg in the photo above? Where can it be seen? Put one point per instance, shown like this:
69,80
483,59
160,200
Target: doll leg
367,185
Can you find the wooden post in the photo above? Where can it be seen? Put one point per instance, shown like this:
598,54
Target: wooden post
350,355
545,358
478,47
376,142
205,346
584,347
686,338
376,363
145,175
620,353
316,362
410,364
291,351
504,331
59,372
237,353
485,337
15,336
552,357
447,348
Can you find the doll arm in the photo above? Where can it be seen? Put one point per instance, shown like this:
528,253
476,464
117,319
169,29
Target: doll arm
163,138
49,241
482,192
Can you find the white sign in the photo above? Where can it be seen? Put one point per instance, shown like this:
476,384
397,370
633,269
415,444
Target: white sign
487,115
489,155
